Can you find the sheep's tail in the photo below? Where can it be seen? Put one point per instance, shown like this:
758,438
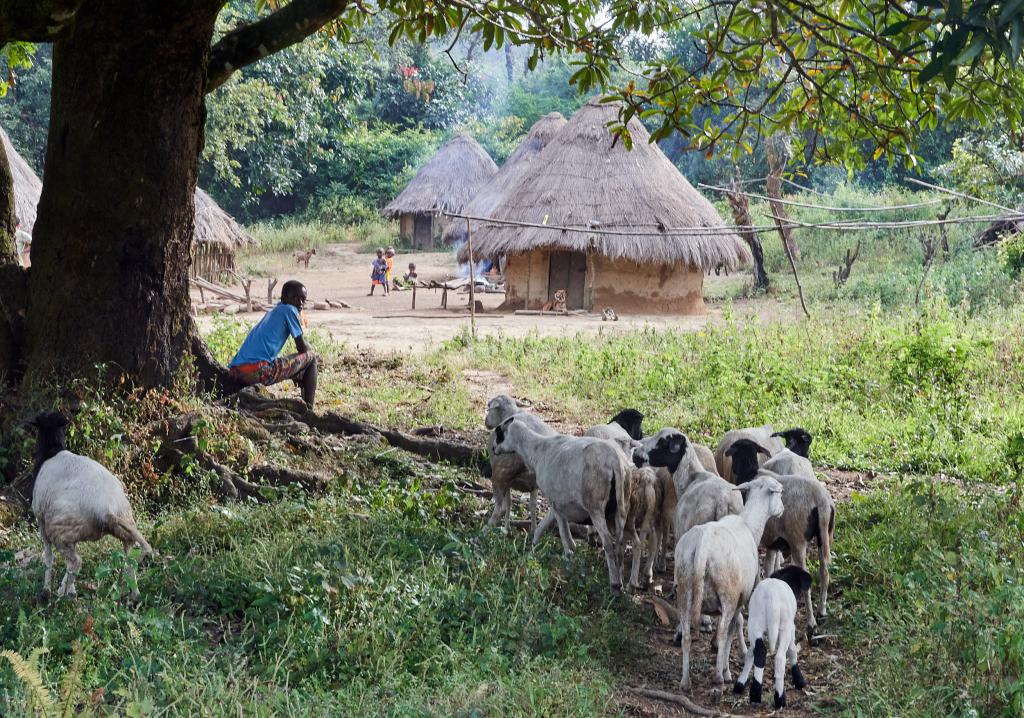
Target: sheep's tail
826,529
126,530
617,507
774,627
693,582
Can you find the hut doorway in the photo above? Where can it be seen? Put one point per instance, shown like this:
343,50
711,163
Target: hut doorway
423,231
568,271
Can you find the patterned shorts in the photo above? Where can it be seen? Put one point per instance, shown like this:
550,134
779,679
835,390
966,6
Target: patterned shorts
266,373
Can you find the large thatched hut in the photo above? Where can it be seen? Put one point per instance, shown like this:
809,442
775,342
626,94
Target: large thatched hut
444,184
516,165
27,186
658,234
216,237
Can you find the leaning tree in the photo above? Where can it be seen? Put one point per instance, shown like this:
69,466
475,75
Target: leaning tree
111,246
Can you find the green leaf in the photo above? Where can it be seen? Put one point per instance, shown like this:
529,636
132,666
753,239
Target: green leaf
932,69
972,51
1009,10
897,27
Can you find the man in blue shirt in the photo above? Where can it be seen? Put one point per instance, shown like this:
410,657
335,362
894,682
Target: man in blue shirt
257,362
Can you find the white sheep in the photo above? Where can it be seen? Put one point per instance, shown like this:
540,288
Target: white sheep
76,499
583,478
763,435
507,471
772,615
810,514
717,568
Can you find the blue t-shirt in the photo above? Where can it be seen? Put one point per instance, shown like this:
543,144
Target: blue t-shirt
267,338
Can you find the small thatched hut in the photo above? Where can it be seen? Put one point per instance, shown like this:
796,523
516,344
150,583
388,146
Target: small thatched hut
217,236
663,234
516,165
27,186
444,184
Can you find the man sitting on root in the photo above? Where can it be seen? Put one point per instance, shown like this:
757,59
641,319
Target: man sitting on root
257,362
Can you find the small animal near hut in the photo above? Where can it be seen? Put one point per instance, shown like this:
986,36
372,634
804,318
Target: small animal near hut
445,183
641,238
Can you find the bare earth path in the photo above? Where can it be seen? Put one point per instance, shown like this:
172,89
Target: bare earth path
389,324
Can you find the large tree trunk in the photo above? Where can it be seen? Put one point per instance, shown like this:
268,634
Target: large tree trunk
110,255
12,281
779,153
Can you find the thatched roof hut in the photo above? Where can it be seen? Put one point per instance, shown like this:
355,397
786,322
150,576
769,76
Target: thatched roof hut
663,234
516,165
445,183
27,186
216,237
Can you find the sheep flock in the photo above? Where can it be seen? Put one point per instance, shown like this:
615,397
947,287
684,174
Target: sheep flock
712,511
646,498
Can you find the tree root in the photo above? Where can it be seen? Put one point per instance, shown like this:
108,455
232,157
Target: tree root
680,700
287,413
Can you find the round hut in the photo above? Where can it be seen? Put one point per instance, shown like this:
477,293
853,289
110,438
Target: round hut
657,234
27,185
516,165
216,238
445,183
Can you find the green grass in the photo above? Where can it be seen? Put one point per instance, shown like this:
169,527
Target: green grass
385,597
381,598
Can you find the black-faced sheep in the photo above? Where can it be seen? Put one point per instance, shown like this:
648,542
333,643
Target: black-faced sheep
772,616
810,514
762,435
76,499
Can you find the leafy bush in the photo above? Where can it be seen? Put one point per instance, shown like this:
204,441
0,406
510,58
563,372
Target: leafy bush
1011,251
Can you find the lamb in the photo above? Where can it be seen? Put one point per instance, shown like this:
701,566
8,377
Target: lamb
507,471
624,429
717,568
76,499
582,477
643,522
793,459
772,614
762,435
810,514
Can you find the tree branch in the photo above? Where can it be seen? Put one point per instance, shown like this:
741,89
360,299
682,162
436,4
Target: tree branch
245,45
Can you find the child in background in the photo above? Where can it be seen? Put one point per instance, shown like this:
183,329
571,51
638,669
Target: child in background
408,279
378,273
389,257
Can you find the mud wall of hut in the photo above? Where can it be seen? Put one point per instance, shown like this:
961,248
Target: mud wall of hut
632,288
626,286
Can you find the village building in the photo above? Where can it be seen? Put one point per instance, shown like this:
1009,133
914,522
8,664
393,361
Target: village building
657,235
446,183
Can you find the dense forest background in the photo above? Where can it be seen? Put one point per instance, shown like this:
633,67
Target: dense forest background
329,131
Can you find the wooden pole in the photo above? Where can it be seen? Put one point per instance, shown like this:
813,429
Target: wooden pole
414,294
472,282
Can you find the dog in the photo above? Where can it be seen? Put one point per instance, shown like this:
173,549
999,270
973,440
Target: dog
557,305
304,257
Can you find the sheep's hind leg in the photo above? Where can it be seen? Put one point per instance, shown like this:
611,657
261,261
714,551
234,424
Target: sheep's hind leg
799,556
614,577
133,577
780,678
48,562
748,665
501,506
543,526
73,564
568,545
723,641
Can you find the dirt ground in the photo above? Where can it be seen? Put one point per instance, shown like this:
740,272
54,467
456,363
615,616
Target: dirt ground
389,324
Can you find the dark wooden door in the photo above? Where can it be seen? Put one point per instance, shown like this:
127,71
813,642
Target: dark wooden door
423,231
568,271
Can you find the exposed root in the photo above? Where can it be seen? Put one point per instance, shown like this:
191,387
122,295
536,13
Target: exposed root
680,700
